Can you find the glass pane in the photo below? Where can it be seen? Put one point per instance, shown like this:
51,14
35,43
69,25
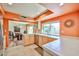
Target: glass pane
55,28
46,28
30,29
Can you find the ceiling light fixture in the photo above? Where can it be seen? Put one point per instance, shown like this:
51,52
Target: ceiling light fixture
10,3
61,4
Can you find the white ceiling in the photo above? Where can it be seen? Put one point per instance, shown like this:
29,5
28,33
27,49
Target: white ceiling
59,10
25,9
35,9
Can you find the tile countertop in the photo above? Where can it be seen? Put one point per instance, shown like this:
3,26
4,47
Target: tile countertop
50,36
65,46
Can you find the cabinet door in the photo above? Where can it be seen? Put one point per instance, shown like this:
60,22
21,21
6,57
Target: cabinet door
31,39
26,40
40,42
36,39
45,40
50,39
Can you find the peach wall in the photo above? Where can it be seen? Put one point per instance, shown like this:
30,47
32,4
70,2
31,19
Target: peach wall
6,19
10,15
68,31
5,30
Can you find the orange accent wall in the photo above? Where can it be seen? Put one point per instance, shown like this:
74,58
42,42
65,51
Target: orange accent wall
2,10
5,30
10,15
7,16
68,31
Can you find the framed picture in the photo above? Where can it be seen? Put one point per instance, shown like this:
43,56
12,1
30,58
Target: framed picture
69,23
16,29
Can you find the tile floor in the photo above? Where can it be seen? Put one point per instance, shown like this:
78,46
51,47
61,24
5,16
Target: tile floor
32,50
12,43
1,52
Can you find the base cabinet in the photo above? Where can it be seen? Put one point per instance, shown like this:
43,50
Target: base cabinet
37,39
31,39
45,40
28,39
40,43
41,40
50,39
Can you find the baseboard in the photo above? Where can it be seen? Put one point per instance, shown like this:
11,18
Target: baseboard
70,37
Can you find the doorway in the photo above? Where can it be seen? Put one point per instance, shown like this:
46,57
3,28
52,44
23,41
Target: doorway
16,33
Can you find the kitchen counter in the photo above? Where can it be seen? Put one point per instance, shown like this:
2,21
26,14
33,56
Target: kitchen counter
65,46
50,36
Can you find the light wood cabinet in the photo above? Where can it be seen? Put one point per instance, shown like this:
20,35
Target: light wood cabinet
28,39
45,40
50,39
41,40
36,39
31,39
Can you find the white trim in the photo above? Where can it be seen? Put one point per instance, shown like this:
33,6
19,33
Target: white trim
69,36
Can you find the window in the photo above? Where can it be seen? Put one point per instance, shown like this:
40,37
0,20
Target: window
51,28
30,29
46,28
55,28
